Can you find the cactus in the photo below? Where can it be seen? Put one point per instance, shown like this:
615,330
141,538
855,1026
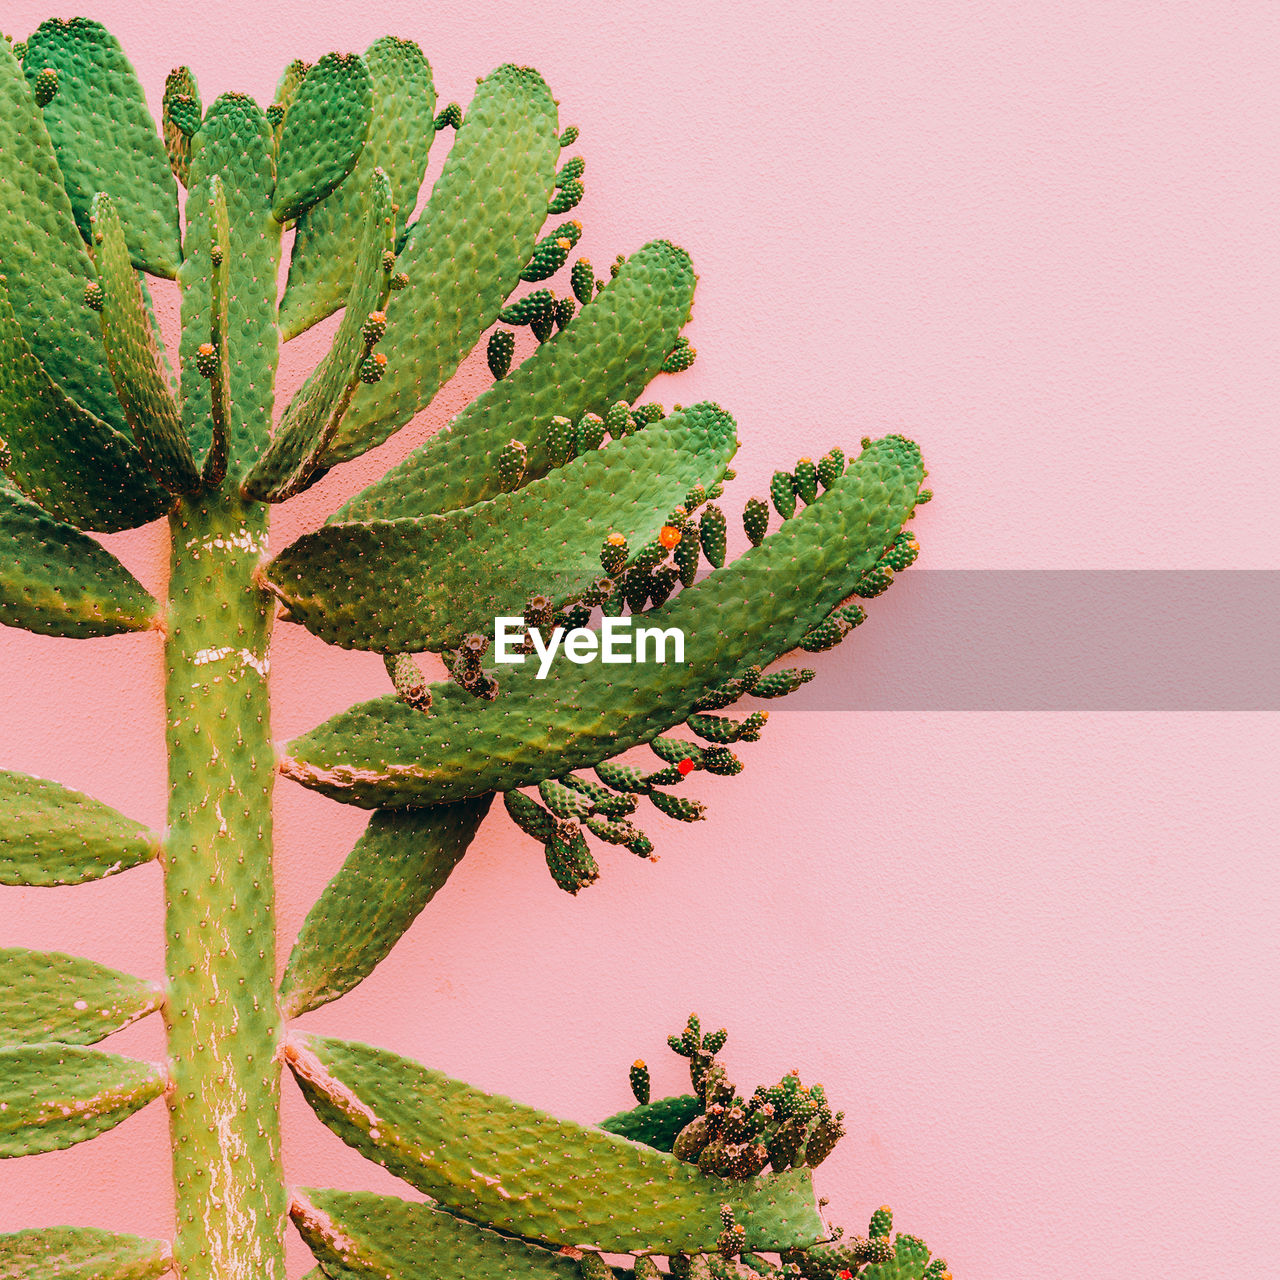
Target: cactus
553,494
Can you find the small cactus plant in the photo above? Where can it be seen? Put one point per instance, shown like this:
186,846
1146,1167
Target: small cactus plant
555,498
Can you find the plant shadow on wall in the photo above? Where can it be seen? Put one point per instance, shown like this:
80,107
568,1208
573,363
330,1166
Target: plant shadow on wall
554,499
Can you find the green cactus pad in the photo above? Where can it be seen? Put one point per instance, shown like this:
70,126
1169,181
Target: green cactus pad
294,459
911,1256
105,138
323,134
414,584
50,835
57,581
398,865
134,358
81,1253
179,109
655,1123
376,1237
43,257
234,143
79,468
750,612
465,254
53,1096
514,1168
322,268
45,996
614,346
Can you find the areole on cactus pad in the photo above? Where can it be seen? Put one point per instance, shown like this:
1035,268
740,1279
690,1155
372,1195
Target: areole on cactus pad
557,498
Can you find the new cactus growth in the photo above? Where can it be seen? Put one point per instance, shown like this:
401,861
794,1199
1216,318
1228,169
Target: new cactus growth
549,478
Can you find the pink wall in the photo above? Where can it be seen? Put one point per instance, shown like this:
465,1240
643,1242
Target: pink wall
1031,954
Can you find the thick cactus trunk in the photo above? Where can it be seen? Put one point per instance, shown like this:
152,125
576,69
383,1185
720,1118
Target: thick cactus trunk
222,1014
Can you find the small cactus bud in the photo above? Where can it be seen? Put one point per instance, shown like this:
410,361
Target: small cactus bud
275,115
680,357
206,360
533,305
567,197
543,325
19,49
388,260
902,552
590,433
6,457
647,413
936,1270
713,1043
513,459
612,830
732,1240
678,807
569,860
755,520
549,255
878,1250
881,1223
692,1140
780,683
662,583
875,582
373,366
675,750
618,420
640,1081
826,634
613,554
721,761
805,479
782,491
449,118
374,328
925,495
831,467
582,280
822,1141
45,86
616,265
621,777
686,557
400,281
411,685
559,440
564,802
502,345
184,114
569,136
713,535
562,312
570,171
93,296
529,815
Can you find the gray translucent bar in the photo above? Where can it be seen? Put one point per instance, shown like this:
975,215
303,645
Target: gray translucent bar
1058,640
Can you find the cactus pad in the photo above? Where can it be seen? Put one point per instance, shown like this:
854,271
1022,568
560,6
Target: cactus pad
106,139
324,131
48,996
81,1253
517,1169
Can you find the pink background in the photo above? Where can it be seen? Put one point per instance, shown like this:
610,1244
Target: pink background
1033,955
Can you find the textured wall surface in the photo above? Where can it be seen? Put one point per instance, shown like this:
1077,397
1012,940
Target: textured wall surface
1032,954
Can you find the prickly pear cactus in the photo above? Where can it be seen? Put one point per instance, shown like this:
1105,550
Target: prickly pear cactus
556,500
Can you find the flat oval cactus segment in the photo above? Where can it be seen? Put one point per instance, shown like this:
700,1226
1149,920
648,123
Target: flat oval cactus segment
78,468
512,1167
655,1123
321,268
180,116
295,457
387,1236
465,253
81,1253
410,585
42,255
234,144
51,835
53,1096
398,865
324,131
106,139
45,996
57,581
609,352
134,358
748,613
911,1257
